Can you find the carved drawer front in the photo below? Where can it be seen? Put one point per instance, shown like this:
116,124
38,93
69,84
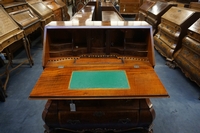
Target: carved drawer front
98,118
170,29
91,114
12,39
171,42
189,62
152,20
163,48
32,28
192,45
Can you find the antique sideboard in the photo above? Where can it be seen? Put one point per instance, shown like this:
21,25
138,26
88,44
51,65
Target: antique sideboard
172,29
98,75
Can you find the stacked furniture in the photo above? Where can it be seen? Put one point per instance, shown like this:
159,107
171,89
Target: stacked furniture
98,75
172,29
188,57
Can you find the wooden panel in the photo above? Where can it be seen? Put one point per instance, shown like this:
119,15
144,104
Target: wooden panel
143,10
129,6
52,78
39,7
10,32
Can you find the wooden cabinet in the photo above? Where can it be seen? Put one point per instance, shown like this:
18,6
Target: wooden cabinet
155,12
129,6
188,57
143,10
172,29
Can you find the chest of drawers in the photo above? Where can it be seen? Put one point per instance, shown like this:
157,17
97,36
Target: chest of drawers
172,29
188,57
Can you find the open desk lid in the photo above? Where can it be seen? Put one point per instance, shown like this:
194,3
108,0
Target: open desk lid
24,17
7,24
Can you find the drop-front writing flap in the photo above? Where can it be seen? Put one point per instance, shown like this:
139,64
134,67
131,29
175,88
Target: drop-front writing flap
195,27
178,15
40,8
7,25
158,7
24,17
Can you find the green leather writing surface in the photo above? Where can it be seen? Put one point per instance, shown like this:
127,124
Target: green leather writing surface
98,80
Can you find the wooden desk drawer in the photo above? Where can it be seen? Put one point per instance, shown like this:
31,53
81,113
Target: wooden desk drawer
11,40
32,28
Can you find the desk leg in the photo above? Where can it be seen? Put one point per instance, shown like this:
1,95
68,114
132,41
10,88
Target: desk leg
99,116
28,50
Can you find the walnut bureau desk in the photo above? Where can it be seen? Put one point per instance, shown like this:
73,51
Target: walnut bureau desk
172,29
98,76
